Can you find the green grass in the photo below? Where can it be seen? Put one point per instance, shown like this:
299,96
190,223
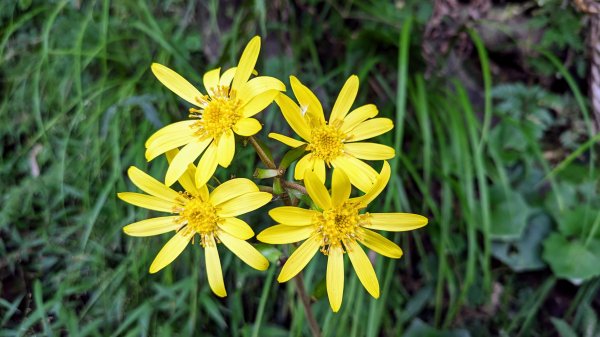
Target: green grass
78,102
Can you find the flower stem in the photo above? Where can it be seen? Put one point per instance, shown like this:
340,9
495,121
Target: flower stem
295,186
261,153
271,165
299,282
312,322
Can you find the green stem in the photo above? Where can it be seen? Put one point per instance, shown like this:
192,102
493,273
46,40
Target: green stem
298,280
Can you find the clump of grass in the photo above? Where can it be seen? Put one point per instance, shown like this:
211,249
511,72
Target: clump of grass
78,101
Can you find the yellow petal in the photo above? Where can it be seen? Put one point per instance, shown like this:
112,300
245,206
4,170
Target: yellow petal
335,277
226,148
286,140
152,226
369,151
371,128
293,216
227,76
247,63
379,185
317,191
168,142
292,114
150,185
379,243
299,259
259,102
203,191
363,267
243,204
281,234
171,250
340,188
147,201
319,169
357,116
304,164
207,165
187,178
245,251
211,80
308,100
360,174
237,228
176,83
345,99
163,145
395,222
257,86
247,127
231,189
173,130
186,156
213,268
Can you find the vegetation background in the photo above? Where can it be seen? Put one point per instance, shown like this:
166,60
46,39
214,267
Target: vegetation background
495,145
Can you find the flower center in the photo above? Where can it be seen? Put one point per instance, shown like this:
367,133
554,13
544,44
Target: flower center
218,114
338,224
199,217
326,142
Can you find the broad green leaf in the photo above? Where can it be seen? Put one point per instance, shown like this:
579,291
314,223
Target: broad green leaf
525,253
509,216
572,260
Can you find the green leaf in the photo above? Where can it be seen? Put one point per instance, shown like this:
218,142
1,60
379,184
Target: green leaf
261,173
277,188
590,321
270,252
572,260
291,156
509,216
416,303
525,253
574,222
563,328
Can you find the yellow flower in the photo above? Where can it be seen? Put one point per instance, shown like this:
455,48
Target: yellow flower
196,211
335,229
228,107
335,142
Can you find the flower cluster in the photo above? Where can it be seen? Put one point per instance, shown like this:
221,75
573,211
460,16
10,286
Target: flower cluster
334,222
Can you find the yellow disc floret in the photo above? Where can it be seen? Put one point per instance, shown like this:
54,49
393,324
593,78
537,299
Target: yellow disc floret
338,224
200,217
220,112
326,142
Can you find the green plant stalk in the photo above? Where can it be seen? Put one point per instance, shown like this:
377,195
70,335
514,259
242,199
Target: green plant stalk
465,192
593,230
538,300
446,212
571,157
376,307
480,173
582,106
585,295
487,85
298,280
263,301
